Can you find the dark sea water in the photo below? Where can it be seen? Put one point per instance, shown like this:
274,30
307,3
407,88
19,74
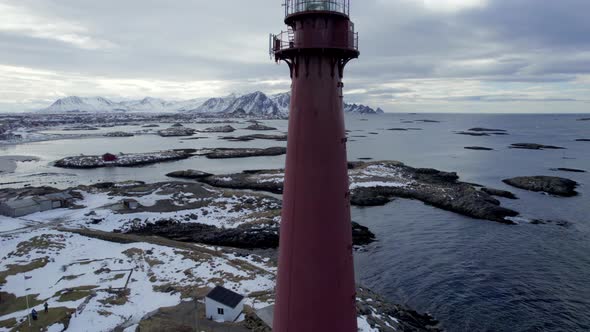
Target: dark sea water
472,275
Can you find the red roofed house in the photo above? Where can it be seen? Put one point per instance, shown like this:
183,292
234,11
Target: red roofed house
109,157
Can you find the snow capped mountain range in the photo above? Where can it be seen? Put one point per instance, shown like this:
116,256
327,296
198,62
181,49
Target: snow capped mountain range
256,104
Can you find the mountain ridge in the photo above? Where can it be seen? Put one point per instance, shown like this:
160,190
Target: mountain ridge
255,104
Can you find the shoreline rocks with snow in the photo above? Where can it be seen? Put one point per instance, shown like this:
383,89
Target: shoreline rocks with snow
123,160
247,236
119,134
376,183
189,174
176,132
549,184
229,153
219,129
259,127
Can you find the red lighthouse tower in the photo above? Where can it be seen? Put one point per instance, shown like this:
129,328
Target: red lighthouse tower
315,284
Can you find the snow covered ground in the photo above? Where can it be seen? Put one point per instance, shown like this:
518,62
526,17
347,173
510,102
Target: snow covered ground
77,262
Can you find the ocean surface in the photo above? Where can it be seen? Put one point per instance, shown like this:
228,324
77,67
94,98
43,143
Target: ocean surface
472,275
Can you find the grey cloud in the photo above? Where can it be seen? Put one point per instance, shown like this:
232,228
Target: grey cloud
507,41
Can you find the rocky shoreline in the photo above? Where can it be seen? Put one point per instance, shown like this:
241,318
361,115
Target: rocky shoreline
377,183
123,160
549,184
247,236
228,153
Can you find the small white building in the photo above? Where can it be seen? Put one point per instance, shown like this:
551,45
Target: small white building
223,305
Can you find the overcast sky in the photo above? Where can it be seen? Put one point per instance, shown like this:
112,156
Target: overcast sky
416,55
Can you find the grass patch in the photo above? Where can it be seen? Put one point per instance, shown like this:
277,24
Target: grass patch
10,303
119,298
59,315
41,242
104,313
14,269
9,323
74,294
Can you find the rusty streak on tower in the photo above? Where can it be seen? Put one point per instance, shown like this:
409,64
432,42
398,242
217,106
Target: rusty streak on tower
315,283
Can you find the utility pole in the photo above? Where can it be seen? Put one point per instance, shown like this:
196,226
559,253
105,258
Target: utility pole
27,300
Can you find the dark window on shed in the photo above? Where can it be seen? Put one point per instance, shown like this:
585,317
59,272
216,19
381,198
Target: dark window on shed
220,311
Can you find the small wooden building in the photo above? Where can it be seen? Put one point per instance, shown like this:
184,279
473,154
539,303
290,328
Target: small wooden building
130,204
223,305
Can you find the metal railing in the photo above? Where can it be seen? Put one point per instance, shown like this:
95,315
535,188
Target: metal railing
296,6
286,40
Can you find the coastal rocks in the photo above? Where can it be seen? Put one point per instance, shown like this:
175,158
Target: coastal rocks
219,129
478,148
478,129
260,127
376,183
403,129
247,138
561,223
534,146
123,160
119,134
246,236
81,128
384,316
584,119
427,121
176,132
471,134
227,153
549,184
150,126
499,193
583,140
573,170
189,174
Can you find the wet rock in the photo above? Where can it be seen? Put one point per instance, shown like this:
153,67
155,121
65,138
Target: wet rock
560,223
499,193
398,129
176,132
377,183
366,198
584,119
427,121
549,184
246,138
534,146
219,129
189,174
119,134
385,316
583,140
478,148
245,236
478,129
467,133
227,153
150,126
261,127
573,170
